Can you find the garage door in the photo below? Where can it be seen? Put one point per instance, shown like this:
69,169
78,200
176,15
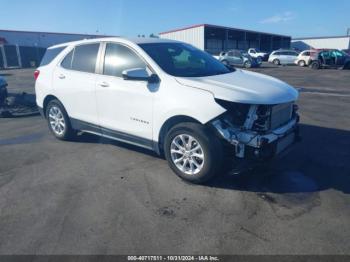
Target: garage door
11,56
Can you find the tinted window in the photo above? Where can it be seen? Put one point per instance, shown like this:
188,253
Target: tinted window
119,58
50,55
179,59
277,53
306,54
84,58
292,53
67,61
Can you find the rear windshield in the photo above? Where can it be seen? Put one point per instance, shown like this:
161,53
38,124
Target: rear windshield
50,55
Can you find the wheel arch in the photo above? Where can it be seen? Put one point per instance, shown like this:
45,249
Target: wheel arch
167,125
47,100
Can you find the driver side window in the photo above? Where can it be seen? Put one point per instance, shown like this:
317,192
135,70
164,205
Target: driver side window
119,58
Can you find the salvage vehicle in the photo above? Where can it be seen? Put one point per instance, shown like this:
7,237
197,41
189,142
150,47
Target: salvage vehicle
329,58
238,58
283,57
3,91
304,57
169,97
253,52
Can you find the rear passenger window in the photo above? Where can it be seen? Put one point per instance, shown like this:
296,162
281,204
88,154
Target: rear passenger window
82,58
119,58
50,55
67,61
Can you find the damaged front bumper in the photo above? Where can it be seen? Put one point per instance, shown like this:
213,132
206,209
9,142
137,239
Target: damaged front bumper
250,144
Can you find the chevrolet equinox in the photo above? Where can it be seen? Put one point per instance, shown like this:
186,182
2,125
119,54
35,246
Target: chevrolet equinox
169,97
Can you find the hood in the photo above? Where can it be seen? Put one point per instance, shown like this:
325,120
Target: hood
244,86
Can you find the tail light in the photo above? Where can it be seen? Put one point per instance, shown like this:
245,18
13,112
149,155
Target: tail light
36,74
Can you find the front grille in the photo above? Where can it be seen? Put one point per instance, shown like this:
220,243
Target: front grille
271,117
280,115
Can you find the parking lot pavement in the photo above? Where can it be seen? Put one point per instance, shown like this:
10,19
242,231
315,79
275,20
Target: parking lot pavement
97,196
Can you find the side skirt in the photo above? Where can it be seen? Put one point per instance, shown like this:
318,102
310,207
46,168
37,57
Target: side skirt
115,135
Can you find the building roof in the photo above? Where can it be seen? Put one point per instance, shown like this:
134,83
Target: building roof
321,37
55,33
218,26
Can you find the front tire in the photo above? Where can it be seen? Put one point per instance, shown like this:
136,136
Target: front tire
193,152
58,121
276,62
247,65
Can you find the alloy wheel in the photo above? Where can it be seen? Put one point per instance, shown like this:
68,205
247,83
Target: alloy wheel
187,154
56,120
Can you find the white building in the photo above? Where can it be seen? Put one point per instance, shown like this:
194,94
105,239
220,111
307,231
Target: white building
331,42
214,39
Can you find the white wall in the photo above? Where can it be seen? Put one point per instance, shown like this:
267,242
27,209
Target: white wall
193,36
332,43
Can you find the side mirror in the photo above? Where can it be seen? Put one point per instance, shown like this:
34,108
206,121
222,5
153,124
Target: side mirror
139,74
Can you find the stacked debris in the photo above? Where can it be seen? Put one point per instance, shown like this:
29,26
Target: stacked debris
16,105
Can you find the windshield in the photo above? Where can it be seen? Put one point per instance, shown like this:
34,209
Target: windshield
179,59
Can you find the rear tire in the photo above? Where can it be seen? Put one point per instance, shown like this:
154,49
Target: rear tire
276,62
301,63
193,152
315,65
58,121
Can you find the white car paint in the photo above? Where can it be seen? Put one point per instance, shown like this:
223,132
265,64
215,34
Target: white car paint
254,53
244,87
114,103
305,57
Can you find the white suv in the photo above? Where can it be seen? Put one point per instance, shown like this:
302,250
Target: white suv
165,96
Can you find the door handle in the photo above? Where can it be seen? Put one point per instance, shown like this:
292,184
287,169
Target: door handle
61,76
104,84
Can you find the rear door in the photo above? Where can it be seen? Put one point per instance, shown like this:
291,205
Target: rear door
74,82
235,58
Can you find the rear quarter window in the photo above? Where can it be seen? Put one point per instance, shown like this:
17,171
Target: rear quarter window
50,55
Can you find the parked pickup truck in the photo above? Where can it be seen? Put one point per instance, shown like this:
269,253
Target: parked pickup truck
169,97
253,52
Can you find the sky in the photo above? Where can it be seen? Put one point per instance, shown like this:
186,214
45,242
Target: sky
296,18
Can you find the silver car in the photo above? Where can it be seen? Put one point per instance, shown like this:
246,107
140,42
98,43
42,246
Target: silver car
239,58
283,57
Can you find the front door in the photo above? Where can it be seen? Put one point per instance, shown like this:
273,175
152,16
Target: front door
125,107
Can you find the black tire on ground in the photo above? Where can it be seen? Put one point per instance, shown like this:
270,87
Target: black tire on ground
212,150
301,63
276,62
68,133
315,65
247,65
346,66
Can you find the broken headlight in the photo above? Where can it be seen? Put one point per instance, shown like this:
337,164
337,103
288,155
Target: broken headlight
236,113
